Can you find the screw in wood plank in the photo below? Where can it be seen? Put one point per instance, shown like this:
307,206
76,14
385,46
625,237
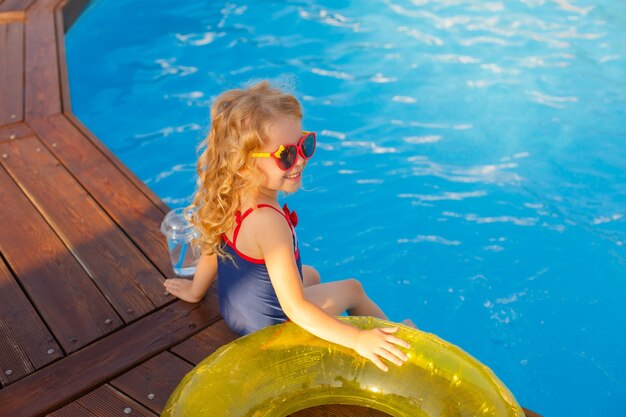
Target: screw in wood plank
166,293
38,149
8,372
12,136
73,340
13,116
192,326
5,156
108,321
54,145
50,351
151,396
130,311
128,410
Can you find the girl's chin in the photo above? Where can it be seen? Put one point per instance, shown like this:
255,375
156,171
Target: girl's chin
291,186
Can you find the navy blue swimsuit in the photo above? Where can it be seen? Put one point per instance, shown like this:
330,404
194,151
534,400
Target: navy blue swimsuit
247,298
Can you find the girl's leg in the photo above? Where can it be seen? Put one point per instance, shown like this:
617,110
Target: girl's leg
310,276
337,297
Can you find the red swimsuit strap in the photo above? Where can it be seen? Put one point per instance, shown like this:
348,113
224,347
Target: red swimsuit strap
240,218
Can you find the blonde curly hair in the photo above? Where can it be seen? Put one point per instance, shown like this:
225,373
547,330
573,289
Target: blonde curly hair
227,174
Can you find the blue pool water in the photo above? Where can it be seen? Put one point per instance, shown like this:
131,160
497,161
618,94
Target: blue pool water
471,169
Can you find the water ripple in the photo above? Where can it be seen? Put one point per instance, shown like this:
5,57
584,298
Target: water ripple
484,40
423,139
422,37
455,58
174,170
568,7
488,174
333,74
168,68
404,99
607,219
369,145
475,218
333,134
166,131
551,101
321,15
445,196
199,39
431,239
431,125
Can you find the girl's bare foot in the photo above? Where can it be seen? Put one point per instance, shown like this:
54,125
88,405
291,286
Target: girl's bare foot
181,288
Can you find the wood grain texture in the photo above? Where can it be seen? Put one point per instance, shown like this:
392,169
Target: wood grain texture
14,131
121,197
26,343
118,164
11,72
15,5
42,88
152,382
198,347
128,280
57,286
73,376
73,409
66,99
106,401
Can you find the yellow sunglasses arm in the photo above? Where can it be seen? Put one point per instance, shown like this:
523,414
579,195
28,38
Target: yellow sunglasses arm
277,154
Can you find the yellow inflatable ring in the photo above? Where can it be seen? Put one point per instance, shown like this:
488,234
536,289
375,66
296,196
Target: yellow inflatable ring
282,369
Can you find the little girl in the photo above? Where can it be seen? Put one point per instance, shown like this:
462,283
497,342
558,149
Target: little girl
256,148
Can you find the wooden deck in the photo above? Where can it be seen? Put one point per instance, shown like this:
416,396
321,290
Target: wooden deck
85,326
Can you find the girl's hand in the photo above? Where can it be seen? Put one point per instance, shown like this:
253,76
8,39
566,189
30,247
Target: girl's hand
380,343
181,288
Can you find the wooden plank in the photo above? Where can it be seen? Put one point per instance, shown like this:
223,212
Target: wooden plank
12,17
26,344
152,382
104,401
73,409
69,378
42,81
11,72
66,99
57,286
123,199
15,5
122,273
118,164
196,348
14,131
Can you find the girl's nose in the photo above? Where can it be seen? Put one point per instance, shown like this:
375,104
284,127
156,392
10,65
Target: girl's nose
300,162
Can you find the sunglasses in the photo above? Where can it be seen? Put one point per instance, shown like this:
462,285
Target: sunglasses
287,155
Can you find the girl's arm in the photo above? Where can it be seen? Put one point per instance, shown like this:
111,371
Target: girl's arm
193,291
275,241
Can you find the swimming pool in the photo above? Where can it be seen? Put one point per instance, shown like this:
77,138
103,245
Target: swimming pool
471,169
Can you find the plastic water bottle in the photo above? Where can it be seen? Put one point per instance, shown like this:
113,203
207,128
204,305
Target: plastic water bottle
179,234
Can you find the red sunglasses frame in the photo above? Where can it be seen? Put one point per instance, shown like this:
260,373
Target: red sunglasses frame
276,154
